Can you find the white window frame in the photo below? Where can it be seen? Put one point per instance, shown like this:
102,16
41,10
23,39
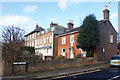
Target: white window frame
47,40
111,38
64,40
36,42
63,53
72,36
50,39
44,40
40,41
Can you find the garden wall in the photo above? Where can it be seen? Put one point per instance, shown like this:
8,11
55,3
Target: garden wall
46,65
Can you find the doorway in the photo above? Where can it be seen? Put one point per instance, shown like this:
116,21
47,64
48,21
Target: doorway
71,53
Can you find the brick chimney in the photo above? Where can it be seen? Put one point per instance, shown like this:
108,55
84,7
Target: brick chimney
53,24
70,24
37,26
106,13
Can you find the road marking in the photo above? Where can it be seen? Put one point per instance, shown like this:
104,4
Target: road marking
93,71
114,77
77,74
59,77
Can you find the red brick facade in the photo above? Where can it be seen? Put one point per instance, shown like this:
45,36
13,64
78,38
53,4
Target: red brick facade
68,45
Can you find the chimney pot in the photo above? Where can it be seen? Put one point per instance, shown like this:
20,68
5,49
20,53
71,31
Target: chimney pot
106,13
106,6
53,24
37,26
70,24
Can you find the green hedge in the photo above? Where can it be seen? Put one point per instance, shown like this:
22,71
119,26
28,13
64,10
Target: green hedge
30,49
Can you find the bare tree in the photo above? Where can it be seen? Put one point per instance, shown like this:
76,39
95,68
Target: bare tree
12,39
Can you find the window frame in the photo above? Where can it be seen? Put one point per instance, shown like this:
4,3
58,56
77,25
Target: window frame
40,41
47,40
50,39
111,38
72,36
64,40
63,53
44,40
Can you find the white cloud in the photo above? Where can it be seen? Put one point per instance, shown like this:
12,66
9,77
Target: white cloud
113,15
30,8
63,4
14,20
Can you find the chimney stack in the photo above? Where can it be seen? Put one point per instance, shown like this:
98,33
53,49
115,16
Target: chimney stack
37,26
53,24
106,13
70,24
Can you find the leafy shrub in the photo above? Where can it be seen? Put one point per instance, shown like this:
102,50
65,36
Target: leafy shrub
56,57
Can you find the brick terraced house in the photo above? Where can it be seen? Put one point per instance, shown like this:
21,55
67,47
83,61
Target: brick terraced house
46,41
67,43
30,37
104,50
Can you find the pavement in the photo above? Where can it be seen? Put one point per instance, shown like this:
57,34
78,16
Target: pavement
59,72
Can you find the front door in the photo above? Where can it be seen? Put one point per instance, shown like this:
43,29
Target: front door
71,54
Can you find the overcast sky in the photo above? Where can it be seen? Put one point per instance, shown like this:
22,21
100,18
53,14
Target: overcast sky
27,14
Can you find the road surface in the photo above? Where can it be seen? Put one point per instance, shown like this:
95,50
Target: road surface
110,73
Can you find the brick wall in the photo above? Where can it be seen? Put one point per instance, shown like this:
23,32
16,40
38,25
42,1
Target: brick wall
57,64
55,45
47,65
106,29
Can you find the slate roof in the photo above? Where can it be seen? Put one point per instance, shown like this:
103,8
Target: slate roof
105,20
76,29
35,30
69,31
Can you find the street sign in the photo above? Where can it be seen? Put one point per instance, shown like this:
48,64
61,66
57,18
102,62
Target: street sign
19,63
103,50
